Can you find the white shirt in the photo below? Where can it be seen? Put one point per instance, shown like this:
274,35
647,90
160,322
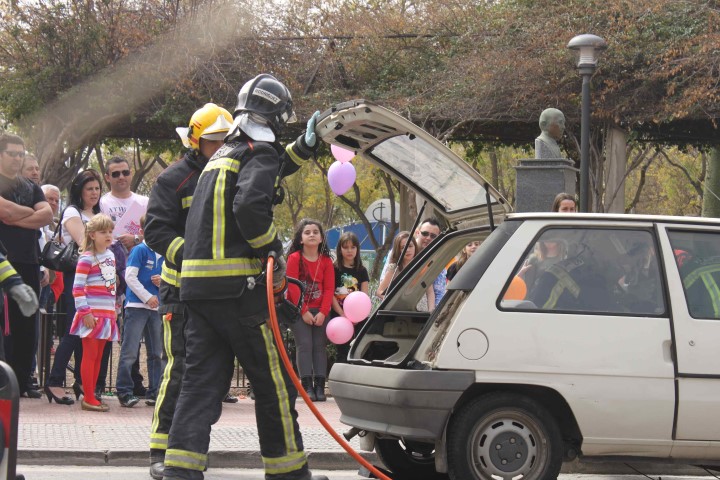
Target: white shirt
71,212
116,207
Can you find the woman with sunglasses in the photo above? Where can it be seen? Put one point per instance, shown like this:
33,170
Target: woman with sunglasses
84,203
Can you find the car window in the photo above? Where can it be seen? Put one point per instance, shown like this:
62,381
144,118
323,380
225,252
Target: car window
407,291
697,255
612,271
454,188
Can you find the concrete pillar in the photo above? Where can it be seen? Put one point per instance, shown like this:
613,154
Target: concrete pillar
616,158
538,181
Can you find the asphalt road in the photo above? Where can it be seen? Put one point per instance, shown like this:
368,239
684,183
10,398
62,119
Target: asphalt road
141,473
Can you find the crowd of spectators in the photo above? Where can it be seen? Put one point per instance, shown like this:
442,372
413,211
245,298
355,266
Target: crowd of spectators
30,217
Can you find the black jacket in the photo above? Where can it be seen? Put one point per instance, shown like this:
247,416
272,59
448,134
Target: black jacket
230,226
166,218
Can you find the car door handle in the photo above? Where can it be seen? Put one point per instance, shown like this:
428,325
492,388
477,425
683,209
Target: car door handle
668,351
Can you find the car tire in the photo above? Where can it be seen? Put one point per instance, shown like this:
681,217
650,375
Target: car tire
408,460
503,435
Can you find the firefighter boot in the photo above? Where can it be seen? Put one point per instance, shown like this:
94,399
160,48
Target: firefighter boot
156,469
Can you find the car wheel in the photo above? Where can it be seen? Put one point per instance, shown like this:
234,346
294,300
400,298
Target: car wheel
503,436
408,460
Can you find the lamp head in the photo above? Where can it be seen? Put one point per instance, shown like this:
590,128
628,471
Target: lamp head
588,47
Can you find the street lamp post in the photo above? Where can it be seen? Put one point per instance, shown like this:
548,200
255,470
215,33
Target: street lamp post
588,47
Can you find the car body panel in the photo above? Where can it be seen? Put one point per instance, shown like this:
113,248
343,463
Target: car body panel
582,358
405,151
406,403
698,359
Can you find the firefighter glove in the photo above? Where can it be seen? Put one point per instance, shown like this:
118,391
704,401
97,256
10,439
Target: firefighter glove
25,298
279,282
310,137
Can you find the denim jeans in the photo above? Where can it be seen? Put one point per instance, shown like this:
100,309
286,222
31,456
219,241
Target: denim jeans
136,321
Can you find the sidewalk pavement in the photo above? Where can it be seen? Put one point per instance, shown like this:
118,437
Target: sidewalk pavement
51,434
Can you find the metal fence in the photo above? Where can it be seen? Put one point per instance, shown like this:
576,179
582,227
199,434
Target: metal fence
52,323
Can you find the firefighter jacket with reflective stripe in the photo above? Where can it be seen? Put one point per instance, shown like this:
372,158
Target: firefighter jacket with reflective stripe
8,276
167,212
230,227
700,279
572,284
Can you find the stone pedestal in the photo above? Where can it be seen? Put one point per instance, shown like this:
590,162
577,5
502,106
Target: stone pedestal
540,180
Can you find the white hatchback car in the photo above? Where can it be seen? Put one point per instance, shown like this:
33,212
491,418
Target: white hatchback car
564,336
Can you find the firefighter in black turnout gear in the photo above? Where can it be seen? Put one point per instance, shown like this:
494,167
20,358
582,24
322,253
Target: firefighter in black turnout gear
230,232
165,233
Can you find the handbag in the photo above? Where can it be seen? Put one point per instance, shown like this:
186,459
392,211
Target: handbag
59,257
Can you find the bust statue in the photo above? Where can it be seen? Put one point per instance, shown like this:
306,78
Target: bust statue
552,124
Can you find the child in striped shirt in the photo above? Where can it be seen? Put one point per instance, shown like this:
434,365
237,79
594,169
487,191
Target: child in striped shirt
94,293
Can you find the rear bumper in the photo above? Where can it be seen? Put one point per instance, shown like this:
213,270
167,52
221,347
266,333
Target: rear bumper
412,404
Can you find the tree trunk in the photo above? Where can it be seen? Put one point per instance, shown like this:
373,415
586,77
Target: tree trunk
616,158
711,202
408,208
495,169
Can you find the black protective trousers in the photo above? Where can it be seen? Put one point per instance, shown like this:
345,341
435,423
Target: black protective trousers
19,346
217,333
174,320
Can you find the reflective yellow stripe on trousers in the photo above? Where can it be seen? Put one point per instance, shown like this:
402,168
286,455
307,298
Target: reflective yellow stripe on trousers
295,459
185,459
160,440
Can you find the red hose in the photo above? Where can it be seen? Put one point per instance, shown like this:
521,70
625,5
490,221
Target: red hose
296,381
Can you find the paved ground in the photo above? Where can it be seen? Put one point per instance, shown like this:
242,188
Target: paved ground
51,434
67,435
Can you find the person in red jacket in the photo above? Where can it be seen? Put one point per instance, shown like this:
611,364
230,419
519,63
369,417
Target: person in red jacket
309,261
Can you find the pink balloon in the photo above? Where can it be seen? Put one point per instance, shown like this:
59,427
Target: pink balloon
341,177
339,330
341,155
357,306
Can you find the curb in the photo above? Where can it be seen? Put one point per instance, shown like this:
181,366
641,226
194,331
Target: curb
320,460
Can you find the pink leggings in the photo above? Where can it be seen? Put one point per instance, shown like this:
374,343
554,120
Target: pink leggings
90,367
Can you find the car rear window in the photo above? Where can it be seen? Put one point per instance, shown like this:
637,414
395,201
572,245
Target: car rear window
468,276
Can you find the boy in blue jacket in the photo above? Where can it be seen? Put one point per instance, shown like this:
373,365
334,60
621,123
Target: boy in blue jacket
142,276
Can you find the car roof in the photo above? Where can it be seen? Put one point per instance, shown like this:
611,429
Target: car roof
613,217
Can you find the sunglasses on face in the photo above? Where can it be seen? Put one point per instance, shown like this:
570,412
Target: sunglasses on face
14,154
432,236
116,174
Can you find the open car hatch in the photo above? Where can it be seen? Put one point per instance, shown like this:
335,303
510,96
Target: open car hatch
416,158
